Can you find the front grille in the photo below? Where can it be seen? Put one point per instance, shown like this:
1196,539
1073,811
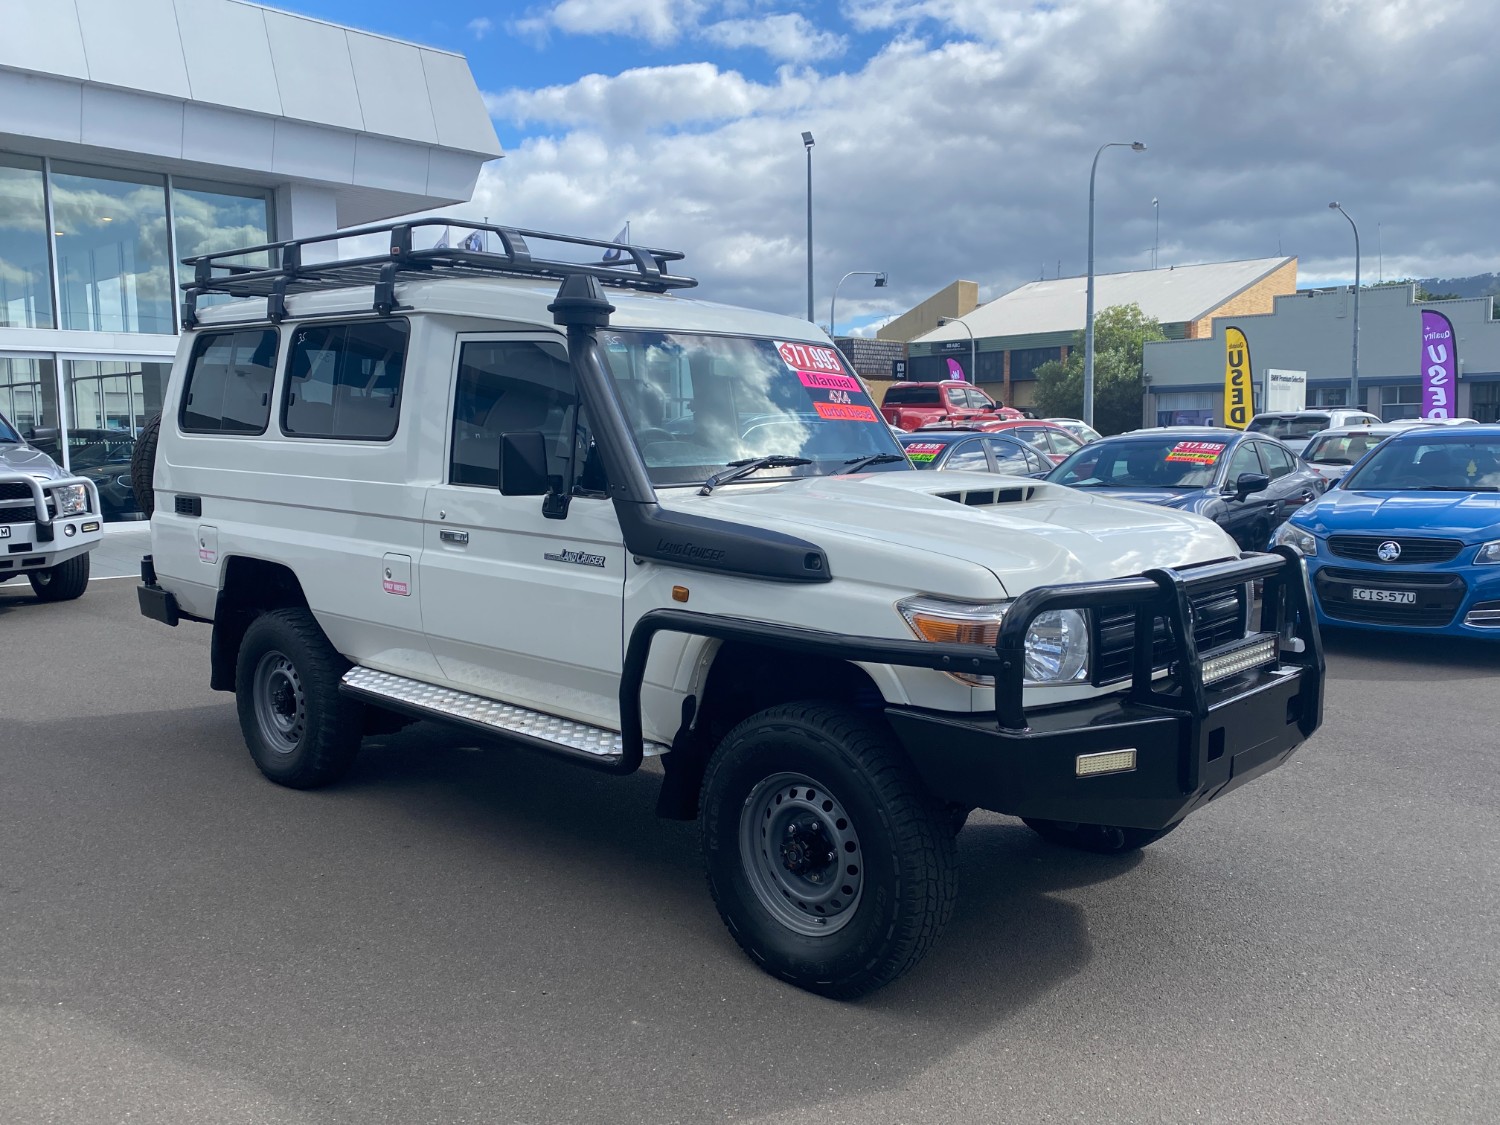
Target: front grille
25,513
1219,617
15,490
1438,596
1414,552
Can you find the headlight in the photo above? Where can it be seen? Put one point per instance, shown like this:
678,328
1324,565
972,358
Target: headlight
1057,644
1488,552
71,499
1303,542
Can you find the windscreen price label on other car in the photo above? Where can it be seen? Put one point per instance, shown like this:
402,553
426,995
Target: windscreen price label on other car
1196,452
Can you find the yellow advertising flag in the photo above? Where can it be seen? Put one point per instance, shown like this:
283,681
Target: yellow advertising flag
1238,392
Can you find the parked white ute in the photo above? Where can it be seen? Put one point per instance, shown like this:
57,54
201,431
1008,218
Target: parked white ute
544,497
49,521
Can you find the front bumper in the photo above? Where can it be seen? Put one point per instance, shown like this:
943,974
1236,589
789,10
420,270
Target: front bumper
1450,599
1192,741
32,536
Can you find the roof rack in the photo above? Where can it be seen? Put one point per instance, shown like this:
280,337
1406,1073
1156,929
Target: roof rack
286,272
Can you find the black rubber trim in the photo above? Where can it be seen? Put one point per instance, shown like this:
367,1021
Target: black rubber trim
158,605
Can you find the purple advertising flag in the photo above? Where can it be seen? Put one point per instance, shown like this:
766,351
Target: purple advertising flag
956,370
1439,365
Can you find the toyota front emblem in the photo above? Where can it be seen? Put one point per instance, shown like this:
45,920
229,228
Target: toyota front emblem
1389,551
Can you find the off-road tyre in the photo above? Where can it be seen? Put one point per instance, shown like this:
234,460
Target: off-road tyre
1102,839
143,466
841,928
63,582
300,730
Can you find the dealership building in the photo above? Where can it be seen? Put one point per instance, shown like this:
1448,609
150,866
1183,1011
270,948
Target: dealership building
135,135
1310,335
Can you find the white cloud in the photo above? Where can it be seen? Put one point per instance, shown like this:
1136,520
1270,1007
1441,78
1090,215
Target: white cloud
481,27
656,21
788,37
962,148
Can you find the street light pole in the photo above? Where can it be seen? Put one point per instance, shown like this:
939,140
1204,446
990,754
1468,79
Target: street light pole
973,347
807,143
1354,368
1088,315
880,280
1156,241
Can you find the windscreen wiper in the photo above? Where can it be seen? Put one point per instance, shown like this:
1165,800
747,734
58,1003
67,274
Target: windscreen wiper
1456,488
860,464
738,469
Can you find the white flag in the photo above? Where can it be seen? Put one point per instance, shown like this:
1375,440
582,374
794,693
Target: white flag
442,243
622,239
475,241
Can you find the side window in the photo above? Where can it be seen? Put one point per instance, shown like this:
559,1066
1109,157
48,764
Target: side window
1063,443
1011,456
1278,459
956,397
344,380
968,455
1040,464
1243,461
228,384
978,400
510,386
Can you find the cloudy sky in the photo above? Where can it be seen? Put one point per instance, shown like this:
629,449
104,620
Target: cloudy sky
954,137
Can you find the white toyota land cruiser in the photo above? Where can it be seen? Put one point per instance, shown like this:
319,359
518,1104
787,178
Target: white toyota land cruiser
438,483
49,521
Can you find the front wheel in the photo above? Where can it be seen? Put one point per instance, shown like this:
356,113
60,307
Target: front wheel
1103,839
300,730
830,864
63,582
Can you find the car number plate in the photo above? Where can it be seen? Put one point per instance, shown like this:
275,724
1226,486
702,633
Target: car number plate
1388,597
4,532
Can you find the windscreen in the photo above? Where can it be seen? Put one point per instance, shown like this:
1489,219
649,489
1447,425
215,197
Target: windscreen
697,403
1465,465
1290,427
1165,462
1340,449
8,433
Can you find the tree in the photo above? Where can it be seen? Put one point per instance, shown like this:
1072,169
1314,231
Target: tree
1121,333
1421,293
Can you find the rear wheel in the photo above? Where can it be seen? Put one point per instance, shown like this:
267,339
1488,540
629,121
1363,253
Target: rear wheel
1104,839
300,730
63,582
830,864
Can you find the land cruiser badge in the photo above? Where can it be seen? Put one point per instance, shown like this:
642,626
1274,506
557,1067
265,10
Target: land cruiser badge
577,558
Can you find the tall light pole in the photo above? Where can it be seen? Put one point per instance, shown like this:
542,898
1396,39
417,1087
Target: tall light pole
807,143
973,347
880,280
1156,241
1354,367
1088,315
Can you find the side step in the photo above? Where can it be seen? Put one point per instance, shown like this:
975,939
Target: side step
490,716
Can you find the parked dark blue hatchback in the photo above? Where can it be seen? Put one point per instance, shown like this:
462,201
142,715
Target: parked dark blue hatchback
1246,483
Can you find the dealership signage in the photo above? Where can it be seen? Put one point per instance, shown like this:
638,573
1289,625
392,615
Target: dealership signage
1439,365
1237,393
1285,390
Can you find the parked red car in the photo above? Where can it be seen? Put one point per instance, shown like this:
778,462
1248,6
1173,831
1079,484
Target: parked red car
910,406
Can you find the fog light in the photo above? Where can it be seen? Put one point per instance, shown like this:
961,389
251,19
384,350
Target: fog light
1110,761
1228,664
69,529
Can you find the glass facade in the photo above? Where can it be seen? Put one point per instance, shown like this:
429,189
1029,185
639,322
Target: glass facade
1484,402
25,269
1399,403
113,254
114,235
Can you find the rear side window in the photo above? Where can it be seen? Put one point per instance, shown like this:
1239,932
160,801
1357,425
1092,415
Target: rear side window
344,380
909,396
228,385
1278,460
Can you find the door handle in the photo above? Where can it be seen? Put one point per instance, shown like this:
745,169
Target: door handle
461,538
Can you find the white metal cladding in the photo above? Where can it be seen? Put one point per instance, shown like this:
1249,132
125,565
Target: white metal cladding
503,718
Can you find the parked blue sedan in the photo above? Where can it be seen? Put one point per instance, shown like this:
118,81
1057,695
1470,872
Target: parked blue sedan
1410,539
1245,482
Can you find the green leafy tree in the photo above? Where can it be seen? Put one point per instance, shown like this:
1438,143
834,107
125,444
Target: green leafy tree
1121,333
1421,294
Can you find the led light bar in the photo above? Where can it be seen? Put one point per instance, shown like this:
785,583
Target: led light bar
1110,761
1252,655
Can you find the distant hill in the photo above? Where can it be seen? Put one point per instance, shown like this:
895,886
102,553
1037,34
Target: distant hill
1480,285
